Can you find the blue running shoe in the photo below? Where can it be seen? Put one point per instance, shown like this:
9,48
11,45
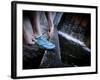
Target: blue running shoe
44,43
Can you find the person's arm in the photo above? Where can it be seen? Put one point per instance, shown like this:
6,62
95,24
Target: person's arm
50,23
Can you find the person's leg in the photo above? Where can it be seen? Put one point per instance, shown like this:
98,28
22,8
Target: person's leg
32,54
35,20
27,30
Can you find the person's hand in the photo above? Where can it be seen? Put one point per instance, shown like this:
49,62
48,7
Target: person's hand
51,32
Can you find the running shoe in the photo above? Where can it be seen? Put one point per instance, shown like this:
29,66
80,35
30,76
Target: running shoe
44,43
